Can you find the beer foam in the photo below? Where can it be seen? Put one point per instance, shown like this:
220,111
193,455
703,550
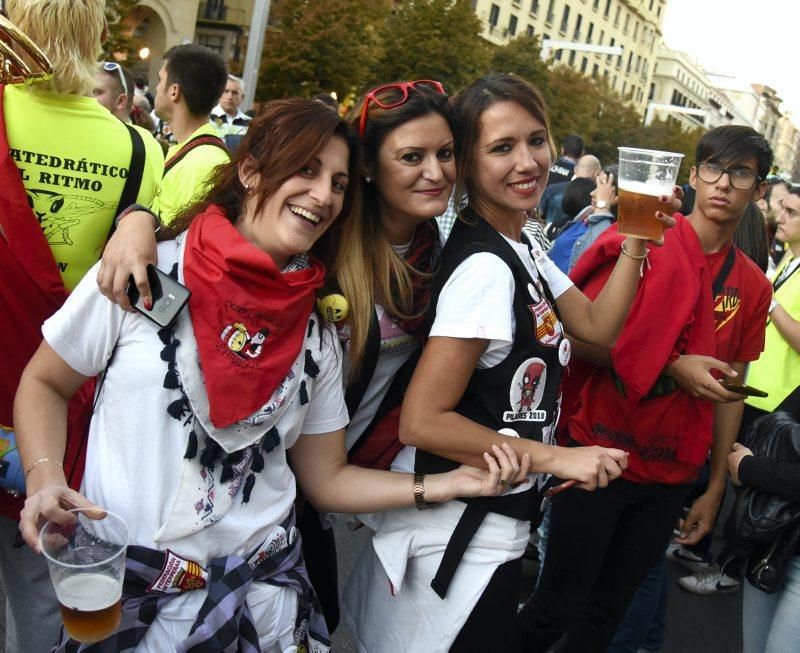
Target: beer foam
645,188
88,592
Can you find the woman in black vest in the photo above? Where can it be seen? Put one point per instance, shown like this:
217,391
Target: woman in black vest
490,369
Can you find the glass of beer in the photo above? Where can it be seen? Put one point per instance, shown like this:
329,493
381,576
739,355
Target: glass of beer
644,176
86,560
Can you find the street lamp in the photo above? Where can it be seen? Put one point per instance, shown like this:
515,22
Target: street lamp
255,45
549,45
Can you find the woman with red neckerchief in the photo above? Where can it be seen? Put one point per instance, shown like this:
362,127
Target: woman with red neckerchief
193,434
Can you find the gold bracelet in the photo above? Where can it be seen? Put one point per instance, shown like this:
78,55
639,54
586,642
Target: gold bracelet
30,467
635,257
419,493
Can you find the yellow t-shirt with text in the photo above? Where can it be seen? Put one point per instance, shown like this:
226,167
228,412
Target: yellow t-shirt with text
74,156
186,182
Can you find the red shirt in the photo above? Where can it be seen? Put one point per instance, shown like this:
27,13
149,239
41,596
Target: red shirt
668,437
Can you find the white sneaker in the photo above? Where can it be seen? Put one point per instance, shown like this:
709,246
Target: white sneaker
712,581
683,556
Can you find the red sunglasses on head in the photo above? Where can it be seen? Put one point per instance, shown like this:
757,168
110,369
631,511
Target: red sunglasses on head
396,100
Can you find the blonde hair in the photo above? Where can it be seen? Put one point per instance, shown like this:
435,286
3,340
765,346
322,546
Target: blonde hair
69,33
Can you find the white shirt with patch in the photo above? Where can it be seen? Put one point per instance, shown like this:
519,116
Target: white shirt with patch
136,449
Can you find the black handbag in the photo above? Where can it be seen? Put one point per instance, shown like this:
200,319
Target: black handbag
759,517
766,566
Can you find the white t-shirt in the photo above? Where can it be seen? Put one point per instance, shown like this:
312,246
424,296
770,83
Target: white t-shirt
135,448
477,301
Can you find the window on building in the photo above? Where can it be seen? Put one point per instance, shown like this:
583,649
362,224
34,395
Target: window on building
572,58
512,25
652,92
638,62
576,35
607,12
595,71
611,44
534,6
494,15
602,36
651,5
624,87
616,17
636,30
550,14
212,42
564,21
515,2
627,22
590,33
529,31
596,5
584,63
630,61
559,53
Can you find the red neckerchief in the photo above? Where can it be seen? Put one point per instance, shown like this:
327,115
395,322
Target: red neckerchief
423,256
248,317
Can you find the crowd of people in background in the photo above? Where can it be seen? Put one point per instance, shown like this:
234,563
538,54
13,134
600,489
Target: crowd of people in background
410,313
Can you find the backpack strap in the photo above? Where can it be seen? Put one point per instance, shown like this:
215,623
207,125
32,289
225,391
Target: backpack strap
355,391
192,143
133,182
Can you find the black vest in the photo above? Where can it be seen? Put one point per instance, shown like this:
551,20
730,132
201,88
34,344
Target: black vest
520,393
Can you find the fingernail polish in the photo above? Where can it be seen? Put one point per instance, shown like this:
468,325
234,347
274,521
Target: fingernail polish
663,198
148,305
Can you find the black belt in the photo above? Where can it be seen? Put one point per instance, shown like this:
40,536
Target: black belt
664,385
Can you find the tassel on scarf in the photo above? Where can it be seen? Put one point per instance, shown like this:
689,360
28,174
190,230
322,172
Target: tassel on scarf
271,440
178,408
249,482
310,328
311,368
258,461
211,453
191,446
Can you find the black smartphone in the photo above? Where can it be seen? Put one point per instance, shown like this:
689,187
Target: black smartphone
748,390
169,297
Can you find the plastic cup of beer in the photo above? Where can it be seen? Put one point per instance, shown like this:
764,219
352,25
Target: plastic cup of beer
86,560
644,176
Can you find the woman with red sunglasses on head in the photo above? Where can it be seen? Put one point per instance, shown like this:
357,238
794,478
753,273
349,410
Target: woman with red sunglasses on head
447,579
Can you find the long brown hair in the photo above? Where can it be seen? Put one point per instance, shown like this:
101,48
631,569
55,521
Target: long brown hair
279,142
367,268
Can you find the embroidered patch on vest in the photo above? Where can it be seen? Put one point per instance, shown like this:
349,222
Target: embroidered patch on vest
546,324
179,575
527,388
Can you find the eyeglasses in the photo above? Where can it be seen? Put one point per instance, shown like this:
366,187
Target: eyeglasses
113,66
393,95
740,179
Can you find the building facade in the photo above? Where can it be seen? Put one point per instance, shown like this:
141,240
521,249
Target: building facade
679,89
220,25
633,25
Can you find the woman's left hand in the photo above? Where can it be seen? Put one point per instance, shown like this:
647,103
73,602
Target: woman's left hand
504,471
674,203
735,459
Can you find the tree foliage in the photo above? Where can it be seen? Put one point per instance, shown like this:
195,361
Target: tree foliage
433,39
320,45
119,45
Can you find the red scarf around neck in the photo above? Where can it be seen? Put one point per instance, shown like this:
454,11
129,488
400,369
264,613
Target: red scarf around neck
248,317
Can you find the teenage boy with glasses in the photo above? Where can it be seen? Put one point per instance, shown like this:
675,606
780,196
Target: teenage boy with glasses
699,315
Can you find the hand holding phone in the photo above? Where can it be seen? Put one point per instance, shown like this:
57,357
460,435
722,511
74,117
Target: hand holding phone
169,297
742,389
